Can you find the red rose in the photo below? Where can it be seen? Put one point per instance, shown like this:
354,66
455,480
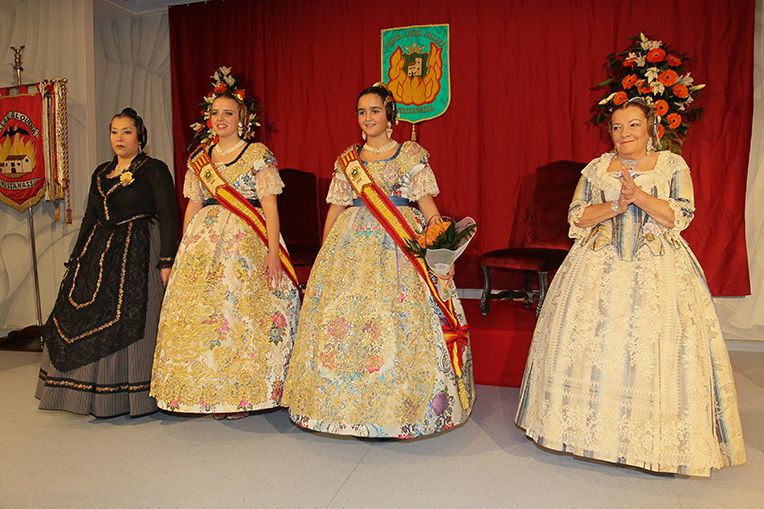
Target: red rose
668,77
619,98
661,107
674,120
629,81
655,55
674,60
220,88
681,91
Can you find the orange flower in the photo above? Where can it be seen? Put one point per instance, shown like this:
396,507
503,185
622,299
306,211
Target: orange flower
644,89
680,91
629,62
241,94
674,60
674,120
668,77
661,107
220,88
619,98
661,131
655,55
629,81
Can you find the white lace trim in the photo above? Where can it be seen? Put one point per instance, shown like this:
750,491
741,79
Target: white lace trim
268,181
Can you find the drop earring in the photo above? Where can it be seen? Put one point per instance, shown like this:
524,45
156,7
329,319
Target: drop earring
363,135
240,129
389,129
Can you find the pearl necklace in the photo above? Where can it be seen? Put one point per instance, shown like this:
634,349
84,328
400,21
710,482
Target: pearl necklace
383,148
223,153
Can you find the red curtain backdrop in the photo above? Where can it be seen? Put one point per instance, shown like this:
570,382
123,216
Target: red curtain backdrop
521,78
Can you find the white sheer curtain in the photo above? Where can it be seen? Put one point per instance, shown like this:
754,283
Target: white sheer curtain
132,57
743,318
56,35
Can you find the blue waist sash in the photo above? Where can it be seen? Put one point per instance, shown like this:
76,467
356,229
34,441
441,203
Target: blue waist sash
212,201
398,201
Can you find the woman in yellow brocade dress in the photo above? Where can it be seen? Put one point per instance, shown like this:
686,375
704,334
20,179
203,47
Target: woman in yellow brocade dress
229,316
370,357
628,363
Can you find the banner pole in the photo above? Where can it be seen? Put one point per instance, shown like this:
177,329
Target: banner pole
32,331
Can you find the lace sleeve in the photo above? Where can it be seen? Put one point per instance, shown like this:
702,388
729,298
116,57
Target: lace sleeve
581,199
423,182
681,197
268,181
340,192
192,188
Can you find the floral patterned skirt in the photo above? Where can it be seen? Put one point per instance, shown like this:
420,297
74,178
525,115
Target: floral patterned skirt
224,337
370,357
628,365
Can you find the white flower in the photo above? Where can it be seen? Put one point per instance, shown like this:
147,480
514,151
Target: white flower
196,126
224,70
638,59
681,106
648,44
658,87
229,80
652,74
607,99
215,76
698,87
685,79
209,100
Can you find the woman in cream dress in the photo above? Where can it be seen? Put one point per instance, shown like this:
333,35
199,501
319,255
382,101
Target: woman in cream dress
628,364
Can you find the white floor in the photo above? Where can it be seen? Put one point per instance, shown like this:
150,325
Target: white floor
55,459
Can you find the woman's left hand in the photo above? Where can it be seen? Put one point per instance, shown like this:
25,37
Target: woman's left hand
272,269
164,273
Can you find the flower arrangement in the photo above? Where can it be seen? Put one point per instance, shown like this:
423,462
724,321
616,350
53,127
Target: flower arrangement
649,69
223,82
442,241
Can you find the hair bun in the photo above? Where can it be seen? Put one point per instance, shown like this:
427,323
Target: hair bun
129,111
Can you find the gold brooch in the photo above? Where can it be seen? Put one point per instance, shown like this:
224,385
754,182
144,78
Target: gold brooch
126,178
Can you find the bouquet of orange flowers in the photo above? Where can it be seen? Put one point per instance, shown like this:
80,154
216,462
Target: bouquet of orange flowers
442,242
651,70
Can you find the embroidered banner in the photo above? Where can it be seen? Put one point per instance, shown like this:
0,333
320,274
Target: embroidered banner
22,160
415,65
34,152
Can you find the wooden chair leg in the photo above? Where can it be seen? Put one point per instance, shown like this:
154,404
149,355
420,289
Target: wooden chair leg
485,297
542,291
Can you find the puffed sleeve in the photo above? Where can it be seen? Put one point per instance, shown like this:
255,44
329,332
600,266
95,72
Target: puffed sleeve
582,198
340,190
681,196
192,188
167,212
423,181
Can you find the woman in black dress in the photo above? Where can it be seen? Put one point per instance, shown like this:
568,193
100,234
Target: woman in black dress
100,337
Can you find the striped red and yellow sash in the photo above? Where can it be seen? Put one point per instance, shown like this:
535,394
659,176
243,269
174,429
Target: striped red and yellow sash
235,203
391,219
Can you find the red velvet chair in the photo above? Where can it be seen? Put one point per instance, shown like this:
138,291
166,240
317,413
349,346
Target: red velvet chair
299,219
546,242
